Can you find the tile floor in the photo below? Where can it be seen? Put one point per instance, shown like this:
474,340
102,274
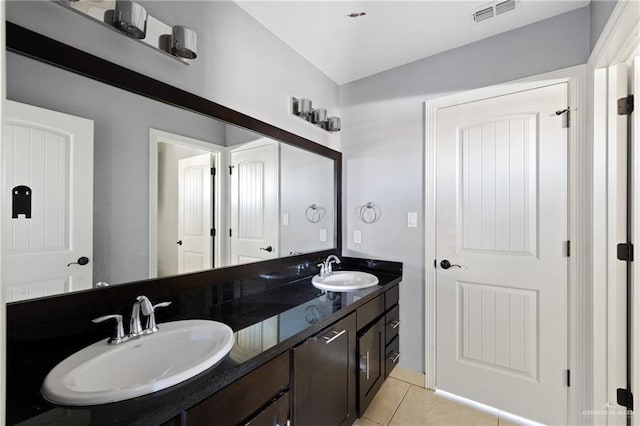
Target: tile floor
403,401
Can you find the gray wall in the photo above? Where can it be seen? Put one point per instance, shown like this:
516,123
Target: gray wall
305,179
383,138
600,13
121,155
240,65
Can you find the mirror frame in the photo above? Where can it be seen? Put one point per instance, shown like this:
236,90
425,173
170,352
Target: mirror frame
44,49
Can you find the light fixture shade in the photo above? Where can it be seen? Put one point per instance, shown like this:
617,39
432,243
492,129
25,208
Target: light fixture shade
184,42
319,116
333,124
130,18
304,107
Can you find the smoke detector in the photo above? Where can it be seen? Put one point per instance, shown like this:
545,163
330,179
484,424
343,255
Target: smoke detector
490,10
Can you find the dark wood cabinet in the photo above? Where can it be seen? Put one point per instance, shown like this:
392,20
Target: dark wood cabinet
246,398
371,346
274,414
324,377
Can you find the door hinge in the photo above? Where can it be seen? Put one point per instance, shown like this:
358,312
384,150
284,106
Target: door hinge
231,170
213,232
568,248
568,378
625,105
624,252
213,171
566,111
229,231
624,398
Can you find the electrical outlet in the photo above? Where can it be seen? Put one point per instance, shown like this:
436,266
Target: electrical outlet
285,218
323,235
412,220
357,237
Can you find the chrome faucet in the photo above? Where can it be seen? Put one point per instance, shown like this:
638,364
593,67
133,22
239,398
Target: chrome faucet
143,304
325,267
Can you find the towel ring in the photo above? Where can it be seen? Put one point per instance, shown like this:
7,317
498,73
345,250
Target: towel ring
314,213
369,213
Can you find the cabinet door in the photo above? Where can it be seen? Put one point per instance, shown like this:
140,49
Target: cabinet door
275,414
371,347
325,377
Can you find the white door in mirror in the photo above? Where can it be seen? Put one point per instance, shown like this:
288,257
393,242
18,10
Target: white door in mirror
47,202
103,373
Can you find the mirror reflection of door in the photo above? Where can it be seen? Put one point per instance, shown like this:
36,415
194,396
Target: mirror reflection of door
51,155
254,231
185,208
195,213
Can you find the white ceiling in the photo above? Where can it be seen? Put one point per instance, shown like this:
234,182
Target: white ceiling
392,33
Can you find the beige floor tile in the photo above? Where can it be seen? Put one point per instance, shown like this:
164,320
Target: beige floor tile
408,376
422,407
387,400
363,421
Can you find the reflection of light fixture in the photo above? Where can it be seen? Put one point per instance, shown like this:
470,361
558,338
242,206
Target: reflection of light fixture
303,108
130,18
184,42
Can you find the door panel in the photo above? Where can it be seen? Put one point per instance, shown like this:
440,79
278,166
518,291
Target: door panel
195,214
254,203
502,223
52,154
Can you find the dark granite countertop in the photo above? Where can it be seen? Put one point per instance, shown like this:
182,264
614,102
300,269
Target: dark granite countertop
289,313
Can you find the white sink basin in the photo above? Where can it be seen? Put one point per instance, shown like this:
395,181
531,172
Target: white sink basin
102,373
345,281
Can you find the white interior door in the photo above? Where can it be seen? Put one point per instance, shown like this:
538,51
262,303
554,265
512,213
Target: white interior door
51,154
254,203
502,216
194,213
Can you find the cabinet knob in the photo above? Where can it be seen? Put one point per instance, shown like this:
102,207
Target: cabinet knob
394,324
393,356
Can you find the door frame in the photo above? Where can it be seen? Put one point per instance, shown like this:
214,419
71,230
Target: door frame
220,215
579,219
618,42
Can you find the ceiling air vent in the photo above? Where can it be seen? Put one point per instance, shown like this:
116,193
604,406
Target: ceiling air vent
483,14
505,6
493,9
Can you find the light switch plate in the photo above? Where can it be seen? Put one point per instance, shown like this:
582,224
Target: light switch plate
285,218
323,235
412,220
357,237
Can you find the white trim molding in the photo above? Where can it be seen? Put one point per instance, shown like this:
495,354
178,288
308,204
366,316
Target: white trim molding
620,36
579,300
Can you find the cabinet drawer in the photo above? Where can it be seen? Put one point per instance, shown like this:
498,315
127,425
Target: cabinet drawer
391,297
392,323
243,398
370,311
392,356
276,413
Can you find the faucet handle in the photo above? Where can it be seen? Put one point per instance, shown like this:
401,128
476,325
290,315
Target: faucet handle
151,326
323,270
119,336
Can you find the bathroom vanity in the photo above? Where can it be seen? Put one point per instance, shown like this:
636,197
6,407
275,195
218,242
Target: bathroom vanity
300,354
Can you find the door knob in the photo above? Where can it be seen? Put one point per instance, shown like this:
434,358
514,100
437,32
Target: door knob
268,248
179,243
81,261
445,264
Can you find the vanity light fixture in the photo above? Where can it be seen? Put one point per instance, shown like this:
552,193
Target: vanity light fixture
130,18
303,108
184,42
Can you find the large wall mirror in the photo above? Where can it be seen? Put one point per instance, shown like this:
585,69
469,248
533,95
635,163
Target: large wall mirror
102,186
